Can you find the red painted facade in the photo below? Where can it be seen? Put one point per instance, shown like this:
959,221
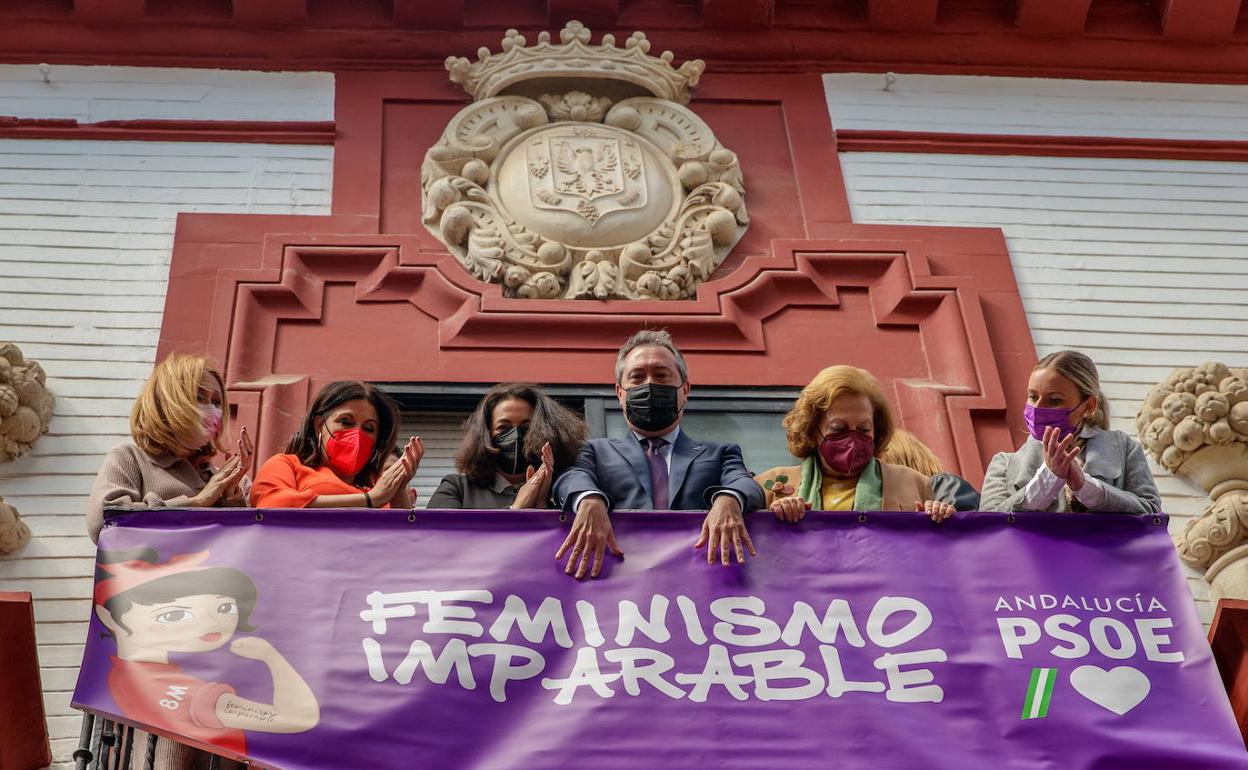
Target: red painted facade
23,729
1177,40
289,303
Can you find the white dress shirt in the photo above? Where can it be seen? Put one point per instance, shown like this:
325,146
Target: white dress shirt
1046,485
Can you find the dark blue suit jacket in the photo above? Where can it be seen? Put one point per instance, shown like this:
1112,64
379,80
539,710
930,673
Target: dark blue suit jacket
617,468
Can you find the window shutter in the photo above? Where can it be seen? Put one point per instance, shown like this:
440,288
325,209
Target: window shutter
441,433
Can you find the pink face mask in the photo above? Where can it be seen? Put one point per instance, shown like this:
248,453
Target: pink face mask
211,418
847,452
1040,417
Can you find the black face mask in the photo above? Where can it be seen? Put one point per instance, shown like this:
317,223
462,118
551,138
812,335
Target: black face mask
652,407
510,446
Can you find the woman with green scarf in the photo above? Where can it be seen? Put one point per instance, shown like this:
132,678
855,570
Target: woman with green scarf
839,425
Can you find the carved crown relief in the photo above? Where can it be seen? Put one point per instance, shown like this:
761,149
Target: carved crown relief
578,172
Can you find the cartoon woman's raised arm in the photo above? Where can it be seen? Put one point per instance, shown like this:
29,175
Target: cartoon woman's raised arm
294,708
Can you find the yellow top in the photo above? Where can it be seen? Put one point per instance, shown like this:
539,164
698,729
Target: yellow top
838,494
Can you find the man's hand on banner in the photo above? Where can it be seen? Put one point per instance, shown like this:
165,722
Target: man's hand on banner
787,505
724,526
589,539
938,511
536,489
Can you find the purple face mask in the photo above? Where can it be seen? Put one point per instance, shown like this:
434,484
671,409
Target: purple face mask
1040,417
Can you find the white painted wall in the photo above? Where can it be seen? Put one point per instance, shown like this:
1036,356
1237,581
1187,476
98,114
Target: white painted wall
86,230
1139,263
91,94
1037,106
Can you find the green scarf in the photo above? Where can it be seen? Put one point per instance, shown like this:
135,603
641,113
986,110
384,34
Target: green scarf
868,494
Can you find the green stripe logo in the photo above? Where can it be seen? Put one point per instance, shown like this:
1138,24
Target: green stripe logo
1039,692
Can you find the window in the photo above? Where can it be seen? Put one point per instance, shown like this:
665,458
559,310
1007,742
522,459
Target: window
747,416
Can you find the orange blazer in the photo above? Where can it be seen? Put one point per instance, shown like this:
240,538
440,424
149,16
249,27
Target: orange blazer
285,482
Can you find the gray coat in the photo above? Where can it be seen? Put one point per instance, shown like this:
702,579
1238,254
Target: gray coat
1111,456
458,491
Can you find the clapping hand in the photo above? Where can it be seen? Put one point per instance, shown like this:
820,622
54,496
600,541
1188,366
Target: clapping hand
246,451
225,477
1076,478
1061,455
536,489
392,484
225,482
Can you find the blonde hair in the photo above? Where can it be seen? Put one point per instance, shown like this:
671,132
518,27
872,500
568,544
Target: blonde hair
1081,372
801,424
906,449
166,415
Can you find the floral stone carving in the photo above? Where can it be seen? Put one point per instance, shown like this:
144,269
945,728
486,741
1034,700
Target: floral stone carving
1193,409
14,534
1195,423
25,403
579,173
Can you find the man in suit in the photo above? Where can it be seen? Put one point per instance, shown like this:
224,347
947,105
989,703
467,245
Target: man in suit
657,467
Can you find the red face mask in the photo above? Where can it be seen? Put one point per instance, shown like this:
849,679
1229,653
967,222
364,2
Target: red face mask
847,452
348,451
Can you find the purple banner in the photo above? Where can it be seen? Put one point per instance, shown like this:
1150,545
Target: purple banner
313,639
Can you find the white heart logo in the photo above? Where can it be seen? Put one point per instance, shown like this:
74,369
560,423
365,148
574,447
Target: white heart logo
1118,690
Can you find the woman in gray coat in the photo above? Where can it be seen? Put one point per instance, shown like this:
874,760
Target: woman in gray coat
1072,461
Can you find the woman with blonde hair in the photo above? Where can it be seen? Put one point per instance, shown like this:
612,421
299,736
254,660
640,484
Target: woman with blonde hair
1072,461
907,449
839,426
179,422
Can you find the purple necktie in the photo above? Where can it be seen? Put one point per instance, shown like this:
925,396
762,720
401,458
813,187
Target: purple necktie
658,472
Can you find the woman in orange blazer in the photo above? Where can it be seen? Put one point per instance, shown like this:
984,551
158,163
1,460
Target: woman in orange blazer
337,457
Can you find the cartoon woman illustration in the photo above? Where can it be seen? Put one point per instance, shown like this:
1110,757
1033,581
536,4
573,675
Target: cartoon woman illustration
154,608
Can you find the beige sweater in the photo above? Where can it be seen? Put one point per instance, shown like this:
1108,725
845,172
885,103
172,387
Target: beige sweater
131,479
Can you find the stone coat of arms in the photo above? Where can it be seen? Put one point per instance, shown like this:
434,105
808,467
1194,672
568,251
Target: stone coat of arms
583,171
608,188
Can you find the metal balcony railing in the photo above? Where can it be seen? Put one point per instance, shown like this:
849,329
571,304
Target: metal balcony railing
107,745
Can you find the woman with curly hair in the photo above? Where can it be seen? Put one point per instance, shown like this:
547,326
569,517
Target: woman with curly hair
839,427
179,423
515,444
